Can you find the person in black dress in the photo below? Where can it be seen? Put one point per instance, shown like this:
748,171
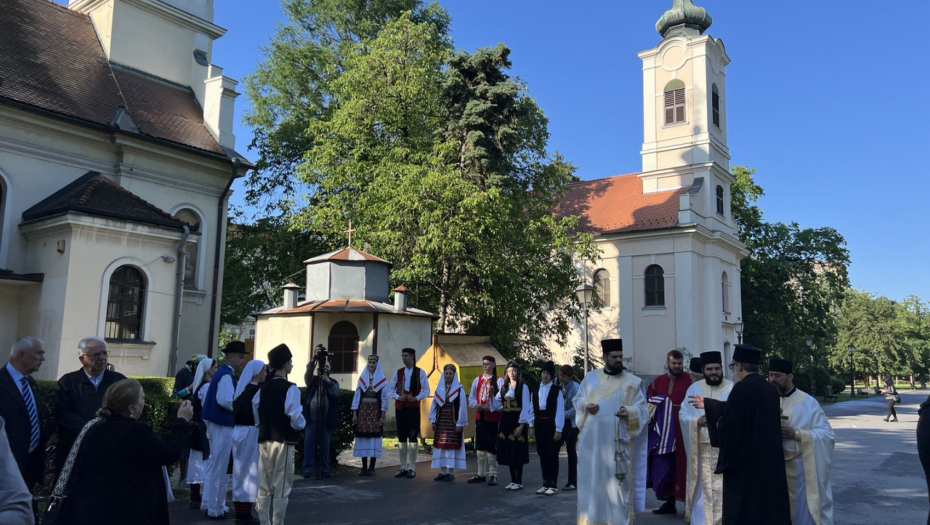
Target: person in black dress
515,402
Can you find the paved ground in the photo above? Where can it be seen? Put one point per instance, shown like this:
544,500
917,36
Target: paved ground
876,475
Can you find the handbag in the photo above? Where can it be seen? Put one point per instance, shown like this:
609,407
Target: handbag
54,515
897,398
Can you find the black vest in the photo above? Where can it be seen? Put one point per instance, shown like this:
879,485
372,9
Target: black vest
273,423
242,407
517,391
195,401
551,401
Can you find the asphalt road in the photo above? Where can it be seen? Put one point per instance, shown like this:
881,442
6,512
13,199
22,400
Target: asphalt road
876,476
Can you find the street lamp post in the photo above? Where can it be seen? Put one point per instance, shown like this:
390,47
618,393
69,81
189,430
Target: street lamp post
852,364
738,327
585,294
810,346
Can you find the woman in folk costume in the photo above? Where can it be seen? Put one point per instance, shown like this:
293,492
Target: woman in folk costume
516,404
369,409
449,415
200,447
245,442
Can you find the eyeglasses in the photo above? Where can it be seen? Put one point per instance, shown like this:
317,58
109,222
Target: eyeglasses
96,355
731,365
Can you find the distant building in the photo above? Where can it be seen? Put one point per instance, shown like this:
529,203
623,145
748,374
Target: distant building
115,142
669,270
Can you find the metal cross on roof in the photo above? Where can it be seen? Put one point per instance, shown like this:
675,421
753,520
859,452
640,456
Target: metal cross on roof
350,231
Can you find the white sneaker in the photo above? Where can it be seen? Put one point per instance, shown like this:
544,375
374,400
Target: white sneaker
517,487
542,490
551,492
510,486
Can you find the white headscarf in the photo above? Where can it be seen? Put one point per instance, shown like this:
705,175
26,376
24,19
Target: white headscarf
205,364
252,369
454,391
378,381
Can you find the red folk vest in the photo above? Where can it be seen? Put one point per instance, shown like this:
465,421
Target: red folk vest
482,393
414,388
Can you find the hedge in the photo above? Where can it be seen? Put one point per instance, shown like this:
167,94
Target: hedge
160,413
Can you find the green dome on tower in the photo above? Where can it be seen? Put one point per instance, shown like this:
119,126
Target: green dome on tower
683,18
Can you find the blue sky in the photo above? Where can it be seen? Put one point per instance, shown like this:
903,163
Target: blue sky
828,101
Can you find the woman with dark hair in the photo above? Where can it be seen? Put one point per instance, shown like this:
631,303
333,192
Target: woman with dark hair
891,398
117,476
515,402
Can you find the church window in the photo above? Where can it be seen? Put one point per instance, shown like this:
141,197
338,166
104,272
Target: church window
343,348
719,200
655,286
602,285
725,292
125,304
715,104
191,249
674,102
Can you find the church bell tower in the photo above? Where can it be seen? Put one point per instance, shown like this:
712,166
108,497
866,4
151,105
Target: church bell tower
684,114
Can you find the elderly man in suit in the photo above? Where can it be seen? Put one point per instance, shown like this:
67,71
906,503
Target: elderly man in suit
21,409
80,393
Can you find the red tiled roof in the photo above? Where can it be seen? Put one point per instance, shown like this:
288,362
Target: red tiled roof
52,61
345,254
346,306
617,204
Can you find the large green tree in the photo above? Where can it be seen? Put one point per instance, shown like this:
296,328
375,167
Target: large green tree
792,281
439,160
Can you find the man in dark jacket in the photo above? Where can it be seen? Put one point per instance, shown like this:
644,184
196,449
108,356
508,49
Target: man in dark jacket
320,413
80,393
923,441
755,487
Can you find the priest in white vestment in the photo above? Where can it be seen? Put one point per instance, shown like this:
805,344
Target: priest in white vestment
704,491
611,413
808,441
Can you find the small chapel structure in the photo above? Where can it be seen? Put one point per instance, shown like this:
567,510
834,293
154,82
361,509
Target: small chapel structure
668,274
347,310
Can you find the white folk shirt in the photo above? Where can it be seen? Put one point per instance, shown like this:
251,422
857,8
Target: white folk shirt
544,389
408,372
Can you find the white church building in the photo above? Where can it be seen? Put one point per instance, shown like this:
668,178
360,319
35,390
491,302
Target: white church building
116,161
668,274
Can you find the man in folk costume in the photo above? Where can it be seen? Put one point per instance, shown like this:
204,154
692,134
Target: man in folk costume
548,420
696,369
808,441
704,488
199,444
245,442
569,431
408,387
449,415
611,414
277,409
516,406
667,464
218,415
748,424
487,420
369,409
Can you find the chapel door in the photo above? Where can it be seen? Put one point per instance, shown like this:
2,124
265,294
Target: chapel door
343,348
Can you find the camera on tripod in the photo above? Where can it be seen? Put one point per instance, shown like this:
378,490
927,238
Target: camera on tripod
321,355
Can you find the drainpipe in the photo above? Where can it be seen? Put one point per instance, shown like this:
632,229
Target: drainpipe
178,299
220,220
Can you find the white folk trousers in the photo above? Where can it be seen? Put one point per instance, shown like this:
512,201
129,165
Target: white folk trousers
275,478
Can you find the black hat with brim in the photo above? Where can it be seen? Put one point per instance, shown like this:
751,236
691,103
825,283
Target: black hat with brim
234,347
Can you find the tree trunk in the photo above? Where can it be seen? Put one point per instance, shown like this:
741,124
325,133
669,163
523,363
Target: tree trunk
443,299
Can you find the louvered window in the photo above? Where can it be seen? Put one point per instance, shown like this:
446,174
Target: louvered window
674,102
719,200
125,303
655,286
715,104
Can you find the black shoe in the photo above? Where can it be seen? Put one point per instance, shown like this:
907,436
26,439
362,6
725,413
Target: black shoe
440,477
477,479
570,486
667,508
401,474
492,481
411,474
327,475
371,472
193,505
308,475
363,472
448,477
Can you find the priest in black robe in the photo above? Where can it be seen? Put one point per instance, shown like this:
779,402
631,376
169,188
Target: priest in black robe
755,489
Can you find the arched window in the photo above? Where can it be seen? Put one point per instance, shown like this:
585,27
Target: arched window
191,249
125,304
674,102
343,348
602,285
715,104
719,200
655,286
725,292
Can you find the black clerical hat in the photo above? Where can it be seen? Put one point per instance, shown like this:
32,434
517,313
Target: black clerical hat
234,347
695,365
611,345
711,358
780,365
279,356
747,354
